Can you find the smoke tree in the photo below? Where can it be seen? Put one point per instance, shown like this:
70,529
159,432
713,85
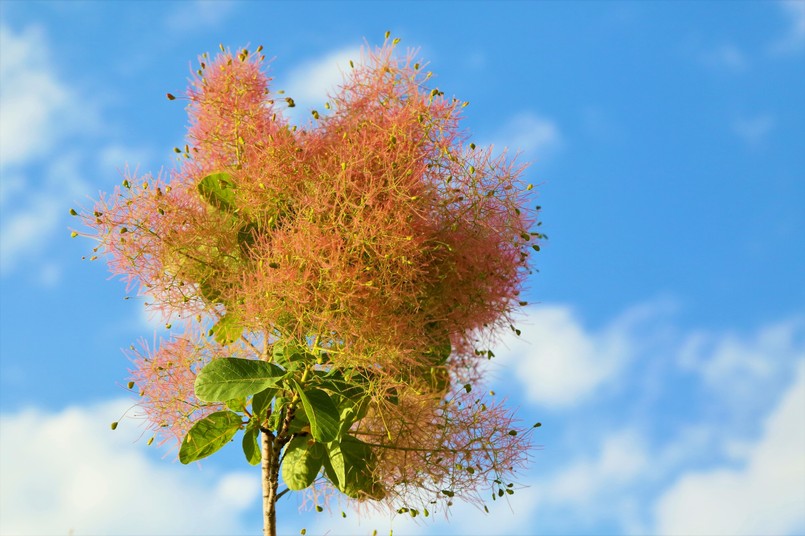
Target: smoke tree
333,290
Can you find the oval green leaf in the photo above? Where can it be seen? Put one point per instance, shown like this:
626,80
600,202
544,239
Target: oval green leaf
353,462
208,435
302,463
230,377
261,403
334,464
218,190
251,446
321,412
289,355
227,330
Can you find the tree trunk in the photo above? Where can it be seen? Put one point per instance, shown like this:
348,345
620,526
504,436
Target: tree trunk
270,471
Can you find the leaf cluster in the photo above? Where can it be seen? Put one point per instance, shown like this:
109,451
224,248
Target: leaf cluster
311,411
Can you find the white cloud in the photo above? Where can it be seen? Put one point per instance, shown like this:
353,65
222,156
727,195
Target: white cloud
68,472
10,187
765,496
311,82
727,56
115,158
614,477
532,134
621,459
37,212
21,234
735,365
511,515
753,130
794,40
31,97
365,523
41,174
50,274
559,363
198,15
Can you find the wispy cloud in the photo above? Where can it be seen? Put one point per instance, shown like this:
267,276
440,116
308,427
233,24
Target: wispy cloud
755,129
537,137
764,495
562,364
28,223
794,40
310,82
726,57
38,113
31,97
68,472
637,478
198,15
43,126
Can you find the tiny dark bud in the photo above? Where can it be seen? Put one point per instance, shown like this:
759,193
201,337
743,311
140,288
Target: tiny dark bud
114,425
170,96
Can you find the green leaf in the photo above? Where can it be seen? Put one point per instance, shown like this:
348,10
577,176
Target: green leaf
438,354
321,412
289,354
247,236
208,435
352,462
348,418
334,464
299,423
230,377
261,402
302,462
236,404
208,290
218,190
275,419
227,330
251,446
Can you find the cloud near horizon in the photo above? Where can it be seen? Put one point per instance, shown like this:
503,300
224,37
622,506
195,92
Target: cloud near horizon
67,472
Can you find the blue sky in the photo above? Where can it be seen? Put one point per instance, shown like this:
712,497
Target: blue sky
664,352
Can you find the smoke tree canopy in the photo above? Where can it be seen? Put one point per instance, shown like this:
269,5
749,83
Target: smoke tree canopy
337,286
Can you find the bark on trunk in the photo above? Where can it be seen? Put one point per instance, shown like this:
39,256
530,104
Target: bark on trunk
270,470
